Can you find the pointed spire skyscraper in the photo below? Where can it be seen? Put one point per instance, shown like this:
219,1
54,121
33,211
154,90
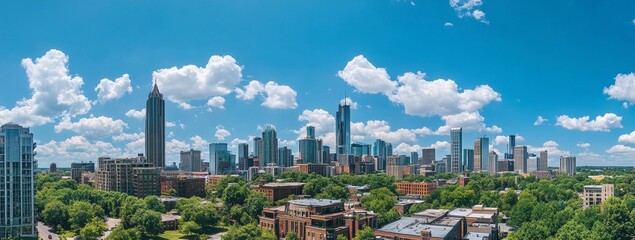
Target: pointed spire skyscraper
155,128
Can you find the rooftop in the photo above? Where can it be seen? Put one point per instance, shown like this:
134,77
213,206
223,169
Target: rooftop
285,184
414,226
166,217
475,236
460,212
315,202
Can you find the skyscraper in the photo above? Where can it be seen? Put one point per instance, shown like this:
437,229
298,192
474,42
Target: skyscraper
359,149
414,157
493,162
567,165
481,154
511,144
544,161
215,152
389,149
310,148
243,155
379,150
428,156
456,145
532,164
285,157
155,128
468,160
520,159
191,161
343,129
257,146
326,151
269,146
16,179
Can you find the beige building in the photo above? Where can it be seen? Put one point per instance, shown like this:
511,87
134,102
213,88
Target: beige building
596,194
133,176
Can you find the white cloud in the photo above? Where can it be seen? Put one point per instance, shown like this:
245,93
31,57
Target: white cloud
185,106
621,149
350,102
469,8
276,96
365,77
128,136
141,114
627,138
110,90
469,121
198,143
181,85
217,102
170,124
540,121
440,145
406,149
221,133
552,149
623,89
74,149
318,118
287,143
583,145
173,150
600,123
448,24
504,140
93,127
380,129
55,92
135,147
233,145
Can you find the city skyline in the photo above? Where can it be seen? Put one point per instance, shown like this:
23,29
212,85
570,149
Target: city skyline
83,95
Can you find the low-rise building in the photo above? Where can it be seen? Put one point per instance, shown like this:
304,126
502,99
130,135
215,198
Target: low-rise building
184,185
133,176
596,194
170,222
277,191
78,168
418,188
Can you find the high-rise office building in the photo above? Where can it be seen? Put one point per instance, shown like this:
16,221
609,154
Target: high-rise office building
343,129
456,146
270,146
481,154
414,157
532,164
191,161
155,128
544,161
310,148
17,210
428,156
359,149
243,156
257,146
379,150
285,157
567,165
216,151
77,169
493,162
326,151
389,149
520,159
511,144
468,160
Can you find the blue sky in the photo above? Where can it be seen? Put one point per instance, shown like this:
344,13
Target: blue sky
490,66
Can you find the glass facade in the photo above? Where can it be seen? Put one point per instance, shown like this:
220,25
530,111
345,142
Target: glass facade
155,128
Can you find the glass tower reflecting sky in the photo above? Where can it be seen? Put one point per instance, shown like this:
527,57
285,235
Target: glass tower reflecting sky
343,129
155,128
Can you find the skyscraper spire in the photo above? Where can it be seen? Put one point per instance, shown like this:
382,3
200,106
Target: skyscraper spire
155,128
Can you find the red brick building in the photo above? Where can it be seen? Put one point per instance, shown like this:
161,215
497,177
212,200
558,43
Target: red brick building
277,191
418,188
185,186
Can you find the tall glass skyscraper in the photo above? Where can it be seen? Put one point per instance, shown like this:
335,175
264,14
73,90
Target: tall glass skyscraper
285,157
269,146
343,129
481,154
17,216
243,155
379,150
310,148
155,128
456,145
217,153
359,149
257,146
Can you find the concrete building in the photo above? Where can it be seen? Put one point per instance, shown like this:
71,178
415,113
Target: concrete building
343,129
414,157
596,194
317,168
243,156
468,160
532,164
428,155
53,168
316,219
77,169
456,146
481,154
416,188
493,162
310,148
17,162
520,158
185,185
191,161
379,150
326,152
270,146
257,146
359,149
155,128
567,165
276,191
393,167
133,176
285,158
544,161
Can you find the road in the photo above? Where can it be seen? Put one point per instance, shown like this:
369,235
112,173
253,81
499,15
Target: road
44,232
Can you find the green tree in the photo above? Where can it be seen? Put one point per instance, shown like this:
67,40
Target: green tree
93,229
365,234
249,231
120,233
172,192
80,213
189,228
153,203
255,203
292,236
55,214
268,234
148,222
342,237
572,230
235,194
332,191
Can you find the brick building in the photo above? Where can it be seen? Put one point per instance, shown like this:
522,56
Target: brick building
185,186
418,188
277,191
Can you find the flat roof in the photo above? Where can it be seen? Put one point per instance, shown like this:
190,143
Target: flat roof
409,201
432,213
462,212
475,236
166,217
315,202
284,184
414,226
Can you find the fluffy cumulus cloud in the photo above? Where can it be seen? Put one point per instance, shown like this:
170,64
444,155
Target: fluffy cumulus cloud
365,77
221,133
216,102
504,140
623,89
182,85
621,149
469,8
141,114
275,96
75,149
404,148
199,143
600,123
320,119
627,138
583,145
540,121
128,137
424,98
380,129
350,102
448,24
55,92
552,149
110,90
93,127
